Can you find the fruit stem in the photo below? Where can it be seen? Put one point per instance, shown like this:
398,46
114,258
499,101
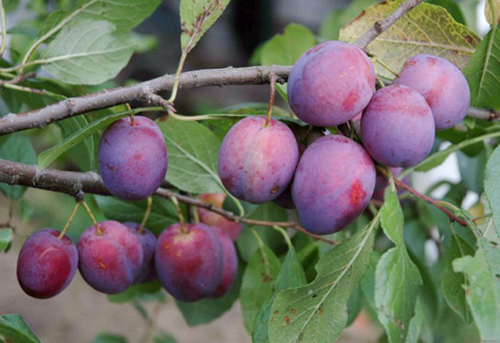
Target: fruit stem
132,120
272,92
87,208
146,215
285,235
68,223
379,81
179,212
194,212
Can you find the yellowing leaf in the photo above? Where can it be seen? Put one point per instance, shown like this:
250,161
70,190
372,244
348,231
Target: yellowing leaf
488,13
426,29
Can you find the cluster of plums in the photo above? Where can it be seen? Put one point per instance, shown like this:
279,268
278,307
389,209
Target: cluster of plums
331,181
192,261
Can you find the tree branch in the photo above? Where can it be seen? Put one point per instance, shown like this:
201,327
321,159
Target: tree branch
78,183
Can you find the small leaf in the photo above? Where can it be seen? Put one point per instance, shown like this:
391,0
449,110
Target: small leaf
51,154
285,49
261,325
257,284
426,29
415,323
196,18
392,219
89,52
192,156
17,149
483,70
492,186
317,312
483,290
105,337
489,13
291,274
452,288
14,328
6,235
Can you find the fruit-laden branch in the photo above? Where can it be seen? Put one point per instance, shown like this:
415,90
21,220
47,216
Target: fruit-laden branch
193,79
78,183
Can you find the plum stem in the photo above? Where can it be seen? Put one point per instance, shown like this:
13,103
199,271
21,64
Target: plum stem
194,212
132,120
272,91
146,215
70,219
96,226
179,212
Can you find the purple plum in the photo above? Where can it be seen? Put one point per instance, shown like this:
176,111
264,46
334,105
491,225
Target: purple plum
397,127
210,218
148,243
133,158
230,264
110,257
257,161
189,261
442,84
333,184
46,264
330,83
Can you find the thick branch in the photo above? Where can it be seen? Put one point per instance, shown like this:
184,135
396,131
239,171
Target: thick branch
77,183
116,96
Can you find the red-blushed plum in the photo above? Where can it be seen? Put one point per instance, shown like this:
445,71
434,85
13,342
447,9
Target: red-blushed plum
133,158
189,262
257,161
46,264
213,219
333,183
230,263
442,84
147,239
397,127
330,83
110,257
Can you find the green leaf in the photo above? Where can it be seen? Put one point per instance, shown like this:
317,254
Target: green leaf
285,49
291,274
483,291
5,238
452,282
392,219
196,18
105,337
426,29
483,70
90,52
84,154
472,171
397,282
492,186
257,284
14,328
17,149
247,243
207,310
261,325
192,156
354,305
80,135
452,7
415,323
338,18
164,337
317,312
163,212
489,13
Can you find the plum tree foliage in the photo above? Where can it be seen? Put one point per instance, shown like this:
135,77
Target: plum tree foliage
307,214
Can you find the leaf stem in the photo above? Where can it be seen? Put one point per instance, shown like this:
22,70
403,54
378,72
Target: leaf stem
175,87
146,215
4,30
284,234
34,91
68,223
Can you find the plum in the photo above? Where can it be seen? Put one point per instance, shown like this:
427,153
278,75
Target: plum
382,182
333,183
110,257
397,127
46,264
147,239
442,84
257,161
189,261
133,158
330,83
230,263
213,219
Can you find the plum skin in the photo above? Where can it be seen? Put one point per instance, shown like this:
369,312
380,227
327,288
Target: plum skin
133,158
230,263
333,184
257,161
189,264
46,264
397,127
210,218
147,239
110,262
441,83
330,84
